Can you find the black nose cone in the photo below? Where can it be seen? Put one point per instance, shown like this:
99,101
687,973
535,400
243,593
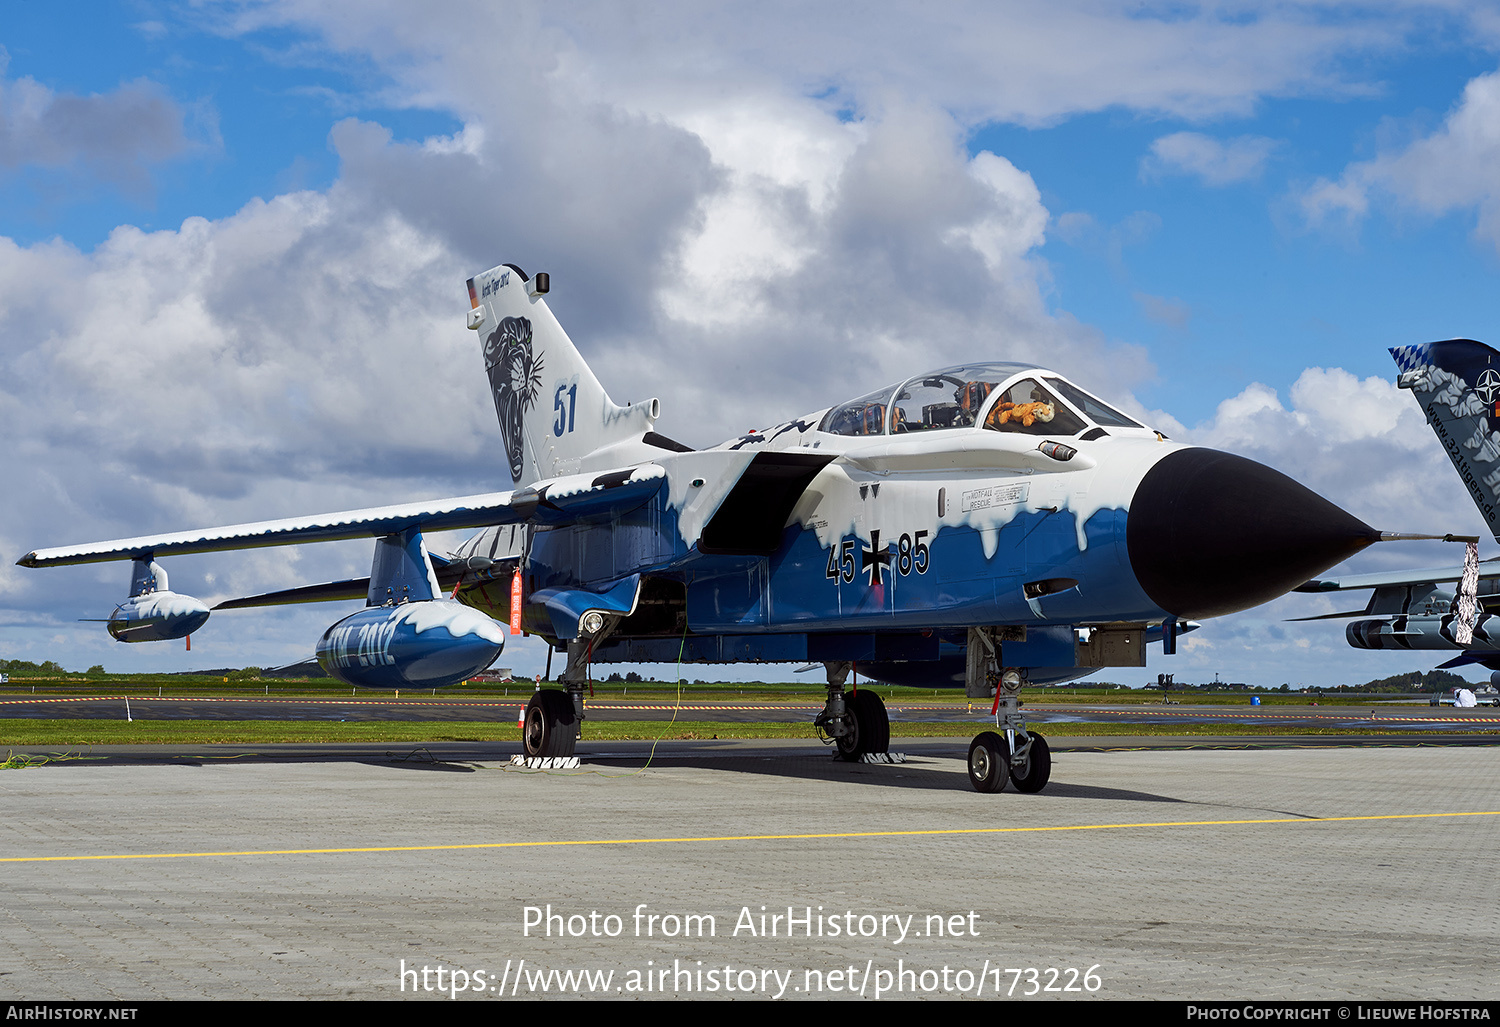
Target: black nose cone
1210,533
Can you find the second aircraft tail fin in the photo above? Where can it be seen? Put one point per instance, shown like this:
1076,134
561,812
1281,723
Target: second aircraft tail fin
553,412
1457,383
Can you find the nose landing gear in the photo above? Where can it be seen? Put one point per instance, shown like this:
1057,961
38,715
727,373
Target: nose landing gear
1012,752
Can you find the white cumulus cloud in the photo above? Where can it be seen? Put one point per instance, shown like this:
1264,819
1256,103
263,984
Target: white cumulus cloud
114,136
1451,169
1216,162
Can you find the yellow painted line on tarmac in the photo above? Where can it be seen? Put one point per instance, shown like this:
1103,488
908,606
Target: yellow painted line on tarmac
563,843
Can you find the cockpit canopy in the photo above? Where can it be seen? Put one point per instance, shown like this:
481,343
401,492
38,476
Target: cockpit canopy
1006,397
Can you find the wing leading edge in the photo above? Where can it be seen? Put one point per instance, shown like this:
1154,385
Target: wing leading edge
563,499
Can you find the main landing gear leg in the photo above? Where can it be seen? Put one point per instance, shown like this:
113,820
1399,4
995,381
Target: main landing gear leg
1011,751
553,718
550,728
858,723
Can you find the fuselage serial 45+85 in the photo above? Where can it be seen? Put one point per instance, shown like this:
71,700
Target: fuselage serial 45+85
989,524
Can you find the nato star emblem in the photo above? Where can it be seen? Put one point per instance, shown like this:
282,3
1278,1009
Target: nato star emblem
1488,384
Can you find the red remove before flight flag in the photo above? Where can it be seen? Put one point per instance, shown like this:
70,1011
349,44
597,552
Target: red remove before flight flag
515,603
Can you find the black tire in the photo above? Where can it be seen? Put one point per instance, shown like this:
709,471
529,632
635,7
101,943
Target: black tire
551,729
989,762
1034,775
870,726
877,730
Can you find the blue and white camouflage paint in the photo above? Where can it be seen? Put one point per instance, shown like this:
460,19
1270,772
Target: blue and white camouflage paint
158,617
154,613
426,644
985,495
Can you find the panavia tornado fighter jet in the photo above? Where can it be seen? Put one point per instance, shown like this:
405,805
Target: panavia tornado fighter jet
995,510
1442,609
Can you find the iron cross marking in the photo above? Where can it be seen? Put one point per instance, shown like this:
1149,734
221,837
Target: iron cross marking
875,559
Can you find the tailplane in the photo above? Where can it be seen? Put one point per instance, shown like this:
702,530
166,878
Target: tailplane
555,417
1457,384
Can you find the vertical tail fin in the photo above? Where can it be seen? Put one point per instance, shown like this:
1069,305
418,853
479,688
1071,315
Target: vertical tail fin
1457,384
553,412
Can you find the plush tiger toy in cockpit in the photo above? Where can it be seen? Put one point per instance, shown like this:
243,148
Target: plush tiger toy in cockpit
1026,413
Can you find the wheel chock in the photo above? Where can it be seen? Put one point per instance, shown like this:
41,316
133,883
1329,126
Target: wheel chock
545,762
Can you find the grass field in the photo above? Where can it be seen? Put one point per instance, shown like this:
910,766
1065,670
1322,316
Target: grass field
809,690
67,733
74,733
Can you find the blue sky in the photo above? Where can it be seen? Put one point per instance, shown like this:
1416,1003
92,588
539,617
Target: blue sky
255,111
233,239
1252,290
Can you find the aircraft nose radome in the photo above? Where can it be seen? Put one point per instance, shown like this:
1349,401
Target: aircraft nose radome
1210,533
